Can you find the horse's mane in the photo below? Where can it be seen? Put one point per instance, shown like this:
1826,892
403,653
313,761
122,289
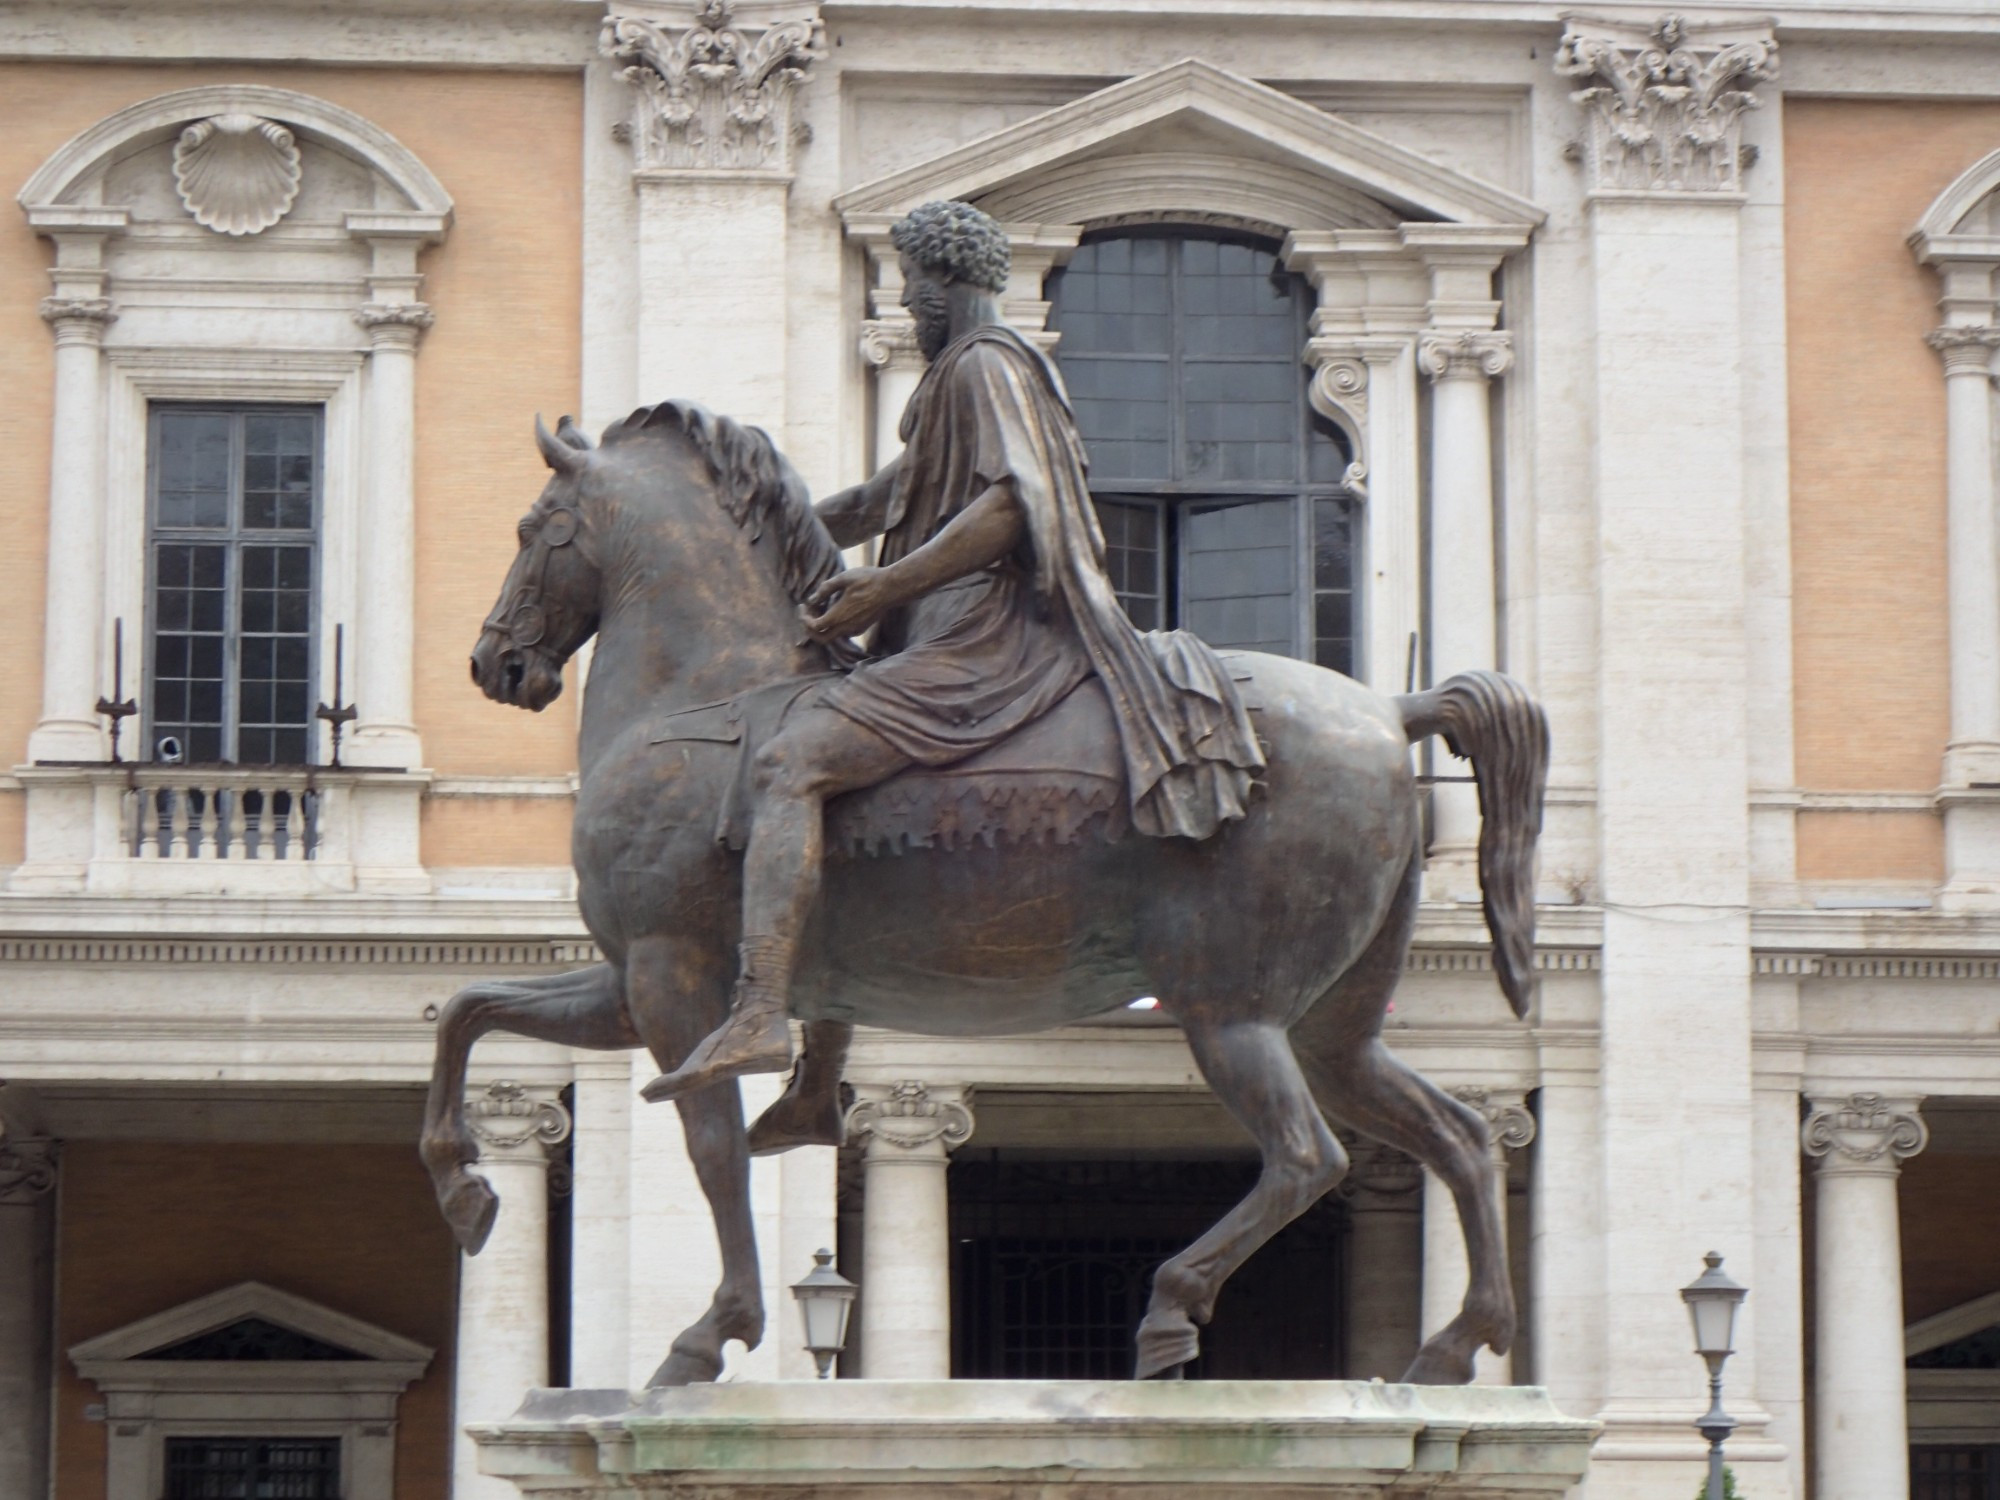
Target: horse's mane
757,486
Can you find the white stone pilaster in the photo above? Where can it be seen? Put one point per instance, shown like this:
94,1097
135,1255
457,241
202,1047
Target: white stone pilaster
1860,1428
712,140
889,347
1446,1272
384,635
1463,629
503,1292
1969,788
27,1173
70,728
1385,1261
907,1131
600,1352
1666,256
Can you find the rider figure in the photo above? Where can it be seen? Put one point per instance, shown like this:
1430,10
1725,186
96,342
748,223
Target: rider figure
992,603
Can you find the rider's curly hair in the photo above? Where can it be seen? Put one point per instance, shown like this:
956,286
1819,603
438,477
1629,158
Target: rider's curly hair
957,239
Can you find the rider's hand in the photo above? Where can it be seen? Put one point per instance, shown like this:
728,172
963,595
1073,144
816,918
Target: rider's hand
847,603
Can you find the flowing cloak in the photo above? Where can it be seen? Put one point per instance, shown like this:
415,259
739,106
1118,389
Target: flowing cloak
966,665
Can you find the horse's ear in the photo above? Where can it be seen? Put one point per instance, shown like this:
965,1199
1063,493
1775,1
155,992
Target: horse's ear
575,436
560,456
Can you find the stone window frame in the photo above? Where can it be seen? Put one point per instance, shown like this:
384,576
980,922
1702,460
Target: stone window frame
148,1401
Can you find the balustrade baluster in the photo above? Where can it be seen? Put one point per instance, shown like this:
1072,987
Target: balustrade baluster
239,825
213,820
175,845
295,824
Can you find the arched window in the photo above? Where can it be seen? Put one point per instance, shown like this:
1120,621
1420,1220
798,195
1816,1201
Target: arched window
1218,487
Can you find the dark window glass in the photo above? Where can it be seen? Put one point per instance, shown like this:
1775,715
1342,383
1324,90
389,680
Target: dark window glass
229,1468
1218,488
1969,1472
235,520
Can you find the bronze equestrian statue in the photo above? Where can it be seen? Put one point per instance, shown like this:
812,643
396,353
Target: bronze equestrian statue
1029,812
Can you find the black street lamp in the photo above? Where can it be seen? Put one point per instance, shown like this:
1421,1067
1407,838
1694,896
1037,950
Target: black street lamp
826,1298
1712,1300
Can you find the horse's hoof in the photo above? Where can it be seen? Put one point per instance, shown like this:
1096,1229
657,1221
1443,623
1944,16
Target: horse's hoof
1165,1346
1434,1366
793,1122
684,1367
470,1207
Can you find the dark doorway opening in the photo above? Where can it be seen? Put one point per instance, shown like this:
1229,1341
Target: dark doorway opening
1053,1260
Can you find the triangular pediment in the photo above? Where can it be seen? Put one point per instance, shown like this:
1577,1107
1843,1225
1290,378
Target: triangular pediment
249,1321
1193,139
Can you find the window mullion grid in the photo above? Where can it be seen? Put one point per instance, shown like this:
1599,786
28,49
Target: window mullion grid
232,600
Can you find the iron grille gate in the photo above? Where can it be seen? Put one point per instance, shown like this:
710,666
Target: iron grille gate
1053,1262
232,1468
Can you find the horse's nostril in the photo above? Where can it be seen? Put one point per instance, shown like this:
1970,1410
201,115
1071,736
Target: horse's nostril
473,663
516,673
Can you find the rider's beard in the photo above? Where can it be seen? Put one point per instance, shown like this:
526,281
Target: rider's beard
932,315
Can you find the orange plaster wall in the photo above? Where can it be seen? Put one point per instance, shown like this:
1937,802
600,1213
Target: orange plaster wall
144,1226
507,287
1871,646
522,831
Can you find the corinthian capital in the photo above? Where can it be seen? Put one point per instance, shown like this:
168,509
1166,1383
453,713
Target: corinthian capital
78,320
1965,348
711,94
1665,106
399,324
511,1120
908,1118
1465,356
1863,1133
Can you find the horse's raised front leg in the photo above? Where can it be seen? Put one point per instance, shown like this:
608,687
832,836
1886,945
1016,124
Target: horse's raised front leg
581,1008
679,993
1251,1068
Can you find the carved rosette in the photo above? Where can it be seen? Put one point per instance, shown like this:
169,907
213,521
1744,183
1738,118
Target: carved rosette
1665,107
509,1120
27,1169
1863,1134
78,320
1969,349
395,324
1509,1124
237,174
907,1119
1465,356
713,95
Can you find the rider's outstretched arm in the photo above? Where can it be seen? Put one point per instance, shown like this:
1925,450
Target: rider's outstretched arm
857,513
982,534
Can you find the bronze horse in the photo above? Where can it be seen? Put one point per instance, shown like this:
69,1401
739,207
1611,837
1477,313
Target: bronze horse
684,543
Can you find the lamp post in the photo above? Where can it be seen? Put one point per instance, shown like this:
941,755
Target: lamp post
826,1299
1712,1300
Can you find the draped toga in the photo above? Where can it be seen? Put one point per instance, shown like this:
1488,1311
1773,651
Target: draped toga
964,666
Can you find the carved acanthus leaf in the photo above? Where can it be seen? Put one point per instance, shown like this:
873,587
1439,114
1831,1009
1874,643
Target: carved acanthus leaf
712,94
1965,348
1666,107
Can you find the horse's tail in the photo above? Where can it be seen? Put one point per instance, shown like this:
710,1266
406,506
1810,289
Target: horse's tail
1489,719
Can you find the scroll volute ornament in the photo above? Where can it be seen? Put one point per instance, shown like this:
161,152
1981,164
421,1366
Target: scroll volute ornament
237,174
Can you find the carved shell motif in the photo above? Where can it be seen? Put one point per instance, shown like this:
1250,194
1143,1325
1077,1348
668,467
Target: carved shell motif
237,174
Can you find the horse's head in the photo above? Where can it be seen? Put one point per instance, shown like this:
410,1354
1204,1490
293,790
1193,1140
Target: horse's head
551,600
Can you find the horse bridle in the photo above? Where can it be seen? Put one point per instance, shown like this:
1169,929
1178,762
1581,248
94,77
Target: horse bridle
520,616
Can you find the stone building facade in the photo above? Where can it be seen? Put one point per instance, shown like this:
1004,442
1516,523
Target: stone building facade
1649,357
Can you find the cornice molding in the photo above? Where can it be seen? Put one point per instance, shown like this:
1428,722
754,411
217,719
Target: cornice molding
336,953
1665,105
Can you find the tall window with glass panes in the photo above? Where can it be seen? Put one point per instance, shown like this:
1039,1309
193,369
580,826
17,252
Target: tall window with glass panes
232,571
1219,489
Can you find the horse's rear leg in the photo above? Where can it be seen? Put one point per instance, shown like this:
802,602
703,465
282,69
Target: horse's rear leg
1252,1071
581,1008
679,993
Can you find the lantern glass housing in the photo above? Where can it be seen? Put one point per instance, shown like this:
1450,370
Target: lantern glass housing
826,1300
1712,1301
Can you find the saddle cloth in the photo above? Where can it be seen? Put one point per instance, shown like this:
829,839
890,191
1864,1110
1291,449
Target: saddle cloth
1045,784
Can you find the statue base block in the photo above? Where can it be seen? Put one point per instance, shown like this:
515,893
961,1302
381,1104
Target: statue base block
1017,1440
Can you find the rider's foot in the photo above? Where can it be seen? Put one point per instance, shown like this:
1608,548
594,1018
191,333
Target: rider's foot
799,1118
755,1039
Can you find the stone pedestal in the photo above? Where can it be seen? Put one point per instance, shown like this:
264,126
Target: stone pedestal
1025,1440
